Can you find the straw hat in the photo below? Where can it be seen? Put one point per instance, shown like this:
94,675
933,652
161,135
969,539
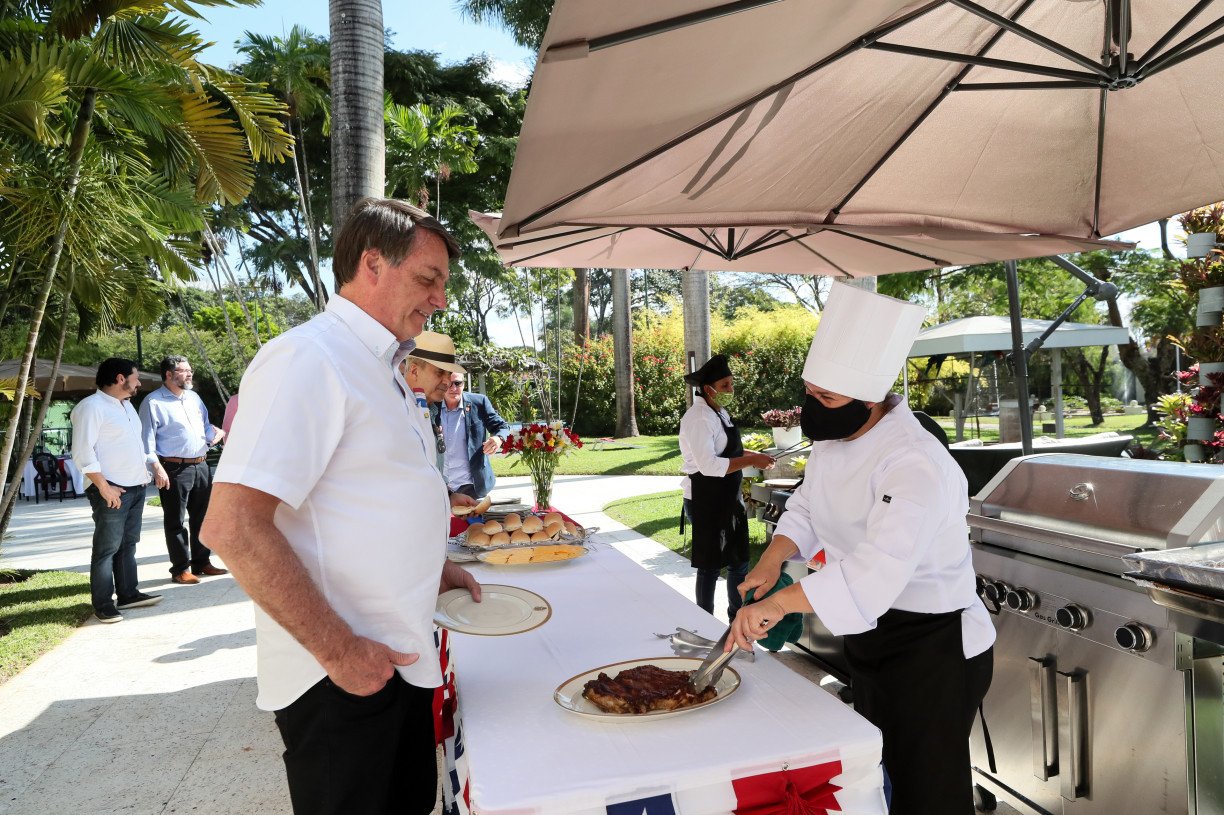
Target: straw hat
437,349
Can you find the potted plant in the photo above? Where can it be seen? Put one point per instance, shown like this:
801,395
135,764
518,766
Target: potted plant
785,425
1203,227
1206,346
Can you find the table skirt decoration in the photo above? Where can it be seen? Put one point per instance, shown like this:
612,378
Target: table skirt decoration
67,466
780,745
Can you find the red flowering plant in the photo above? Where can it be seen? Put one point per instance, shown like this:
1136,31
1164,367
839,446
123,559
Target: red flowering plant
1201,401
780,417
540,447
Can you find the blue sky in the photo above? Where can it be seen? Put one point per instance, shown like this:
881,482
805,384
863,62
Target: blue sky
428,25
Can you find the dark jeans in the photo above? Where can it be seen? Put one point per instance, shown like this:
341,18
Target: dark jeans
361,754
707,581
112,565
186,498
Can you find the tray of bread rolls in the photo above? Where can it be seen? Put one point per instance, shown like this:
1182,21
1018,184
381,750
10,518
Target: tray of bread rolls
529,528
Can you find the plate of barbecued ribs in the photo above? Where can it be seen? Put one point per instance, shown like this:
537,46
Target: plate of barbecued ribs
642,689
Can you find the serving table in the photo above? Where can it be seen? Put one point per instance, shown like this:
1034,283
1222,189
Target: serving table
67,467
777,743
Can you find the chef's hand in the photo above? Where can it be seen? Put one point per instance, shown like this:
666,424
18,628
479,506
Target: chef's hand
762,578
759,460
458,499
456,577
753,621
362,666
492,445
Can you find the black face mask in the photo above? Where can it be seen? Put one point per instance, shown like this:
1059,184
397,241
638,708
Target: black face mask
822,423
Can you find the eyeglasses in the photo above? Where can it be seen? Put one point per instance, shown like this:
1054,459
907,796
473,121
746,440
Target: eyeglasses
454,385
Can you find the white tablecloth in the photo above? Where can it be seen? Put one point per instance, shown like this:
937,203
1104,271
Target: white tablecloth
523,754
74,472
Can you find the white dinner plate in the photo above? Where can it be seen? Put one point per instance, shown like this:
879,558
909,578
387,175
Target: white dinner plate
569,694
540,554
499,511
502,610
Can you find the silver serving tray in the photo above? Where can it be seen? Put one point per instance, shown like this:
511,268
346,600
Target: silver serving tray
1199,566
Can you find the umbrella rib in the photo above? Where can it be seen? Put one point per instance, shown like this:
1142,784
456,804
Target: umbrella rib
752,250
1186,19
522,260
844,273
1027,86
984,62
683,21
994,38
525,241
734,110
1032,36
865,239
674,235
768,236
1178,54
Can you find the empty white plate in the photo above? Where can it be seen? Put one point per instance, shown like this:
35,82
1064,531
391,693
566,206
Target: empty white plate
502,610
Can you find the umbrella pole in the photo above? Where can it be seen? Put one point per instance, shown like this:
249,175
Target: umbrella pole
1019,357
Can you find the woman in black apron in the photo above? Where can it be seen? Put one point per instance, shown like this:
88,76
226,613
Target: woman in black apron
713,460
885,503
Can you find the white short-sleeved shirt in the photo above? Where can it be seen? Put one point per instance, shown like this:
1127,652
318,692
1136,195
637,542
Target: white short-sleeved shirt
702,438
327,428
106,439
888,509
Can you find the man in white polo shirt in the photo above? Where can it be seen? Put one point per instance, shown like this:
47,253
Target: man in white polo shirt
107,447
331,513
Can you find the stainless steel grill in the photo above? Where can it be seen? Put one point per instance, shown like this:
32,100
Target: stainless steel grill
1102,701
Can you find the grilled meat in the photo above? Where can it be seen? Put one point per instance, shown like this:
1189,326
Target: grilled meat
644,689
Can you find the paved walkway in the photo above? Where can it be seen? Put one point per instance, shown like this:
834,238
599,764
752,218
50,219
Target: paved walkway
157,714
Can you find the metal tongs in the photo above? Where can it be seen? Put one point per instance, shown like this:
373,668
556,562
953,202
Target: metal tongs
685,643
712,667
792,450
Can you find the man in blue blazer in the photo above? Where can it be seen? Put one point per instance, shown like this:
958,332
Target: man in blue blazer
471,430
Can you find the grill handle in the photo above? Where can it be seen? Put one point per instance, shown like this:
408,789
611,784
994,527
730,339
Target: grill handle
1073,733
1042,695
1063,540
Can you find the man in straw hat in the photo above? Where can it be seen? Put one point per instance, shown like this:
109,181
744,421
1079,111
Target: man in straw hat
886,503
331,514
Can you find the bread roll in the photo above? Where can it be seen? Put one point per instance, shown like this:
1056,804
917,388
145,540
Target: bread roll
500,539
553,529
572,529
540,536
461,511
482,506
477,538
512,522
553,517
519,536
532,524
492,527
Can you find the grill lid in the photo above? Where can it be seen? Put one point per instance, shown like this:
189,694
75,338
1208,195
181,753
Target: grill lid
1104,506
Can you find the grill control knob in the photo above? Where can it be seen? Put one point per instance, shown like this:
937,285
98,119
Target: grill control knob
1073,617
1019,599
1134,637
996,591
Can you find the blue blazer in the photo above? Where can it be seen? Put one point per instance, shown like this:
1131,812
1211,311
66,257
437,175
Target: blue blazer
481,420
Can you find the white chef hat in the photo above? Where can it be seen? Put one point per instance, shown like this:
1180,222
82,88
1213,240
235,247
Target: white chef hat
861,343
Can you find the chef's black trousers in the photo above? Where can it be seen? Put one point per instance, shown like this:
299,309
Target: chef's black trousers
373,755
911,679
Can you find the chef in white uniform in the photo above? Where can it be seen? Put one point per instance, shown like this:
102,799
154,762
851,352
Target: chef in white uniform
885,503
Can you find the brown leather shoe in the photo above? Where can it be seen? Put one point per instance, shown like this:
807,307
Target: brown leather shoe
186,578
209,570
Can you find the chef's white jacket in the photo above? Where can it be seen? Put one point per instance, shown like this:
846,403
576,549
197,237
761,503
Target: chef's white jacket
702,438
888,509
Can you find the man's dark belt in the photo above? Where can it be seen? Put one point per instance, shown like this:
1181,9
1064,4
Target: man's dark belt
177,460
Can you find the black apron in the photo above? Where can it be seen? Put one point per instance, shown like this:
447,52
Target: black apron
720,523
911,680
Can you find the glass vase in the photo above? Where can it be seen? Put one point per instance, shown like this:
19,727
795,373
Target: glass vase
541,486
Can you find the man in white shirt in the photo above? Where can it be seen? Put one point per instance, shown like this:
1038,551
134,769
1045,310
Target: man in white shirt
107,447
330,511
175,424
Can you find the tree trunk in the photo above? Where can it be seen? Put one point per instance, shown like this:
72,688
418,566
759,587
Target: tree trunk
1147,371
303,191
76,149
695,288
582,308
357,142
622,344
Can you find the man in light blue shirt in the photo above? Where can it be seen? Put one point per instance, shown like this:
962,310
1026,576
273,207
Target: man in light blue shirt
175,425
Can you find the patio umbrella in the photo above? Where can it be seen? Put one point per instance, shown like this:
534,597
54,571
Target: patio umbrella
70,382
976,335
782,249
993,116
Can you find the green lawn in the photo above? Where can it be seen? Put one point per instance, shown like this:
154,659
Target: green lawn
1073,427
641,455
37,613
657,516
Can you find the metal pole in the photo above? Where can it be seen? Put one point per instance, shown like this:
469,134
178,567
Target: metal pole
1019,357
1056,378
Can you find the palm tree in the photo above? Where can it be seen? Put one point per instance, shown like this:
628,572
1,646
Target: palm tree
295,68
423,144
357,103
622,345
168,128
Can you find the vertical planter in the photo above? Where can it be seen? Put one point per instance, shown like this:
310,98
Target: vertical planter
1208,368
785,437
1194,453
1201,428
1210,306
1200,244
